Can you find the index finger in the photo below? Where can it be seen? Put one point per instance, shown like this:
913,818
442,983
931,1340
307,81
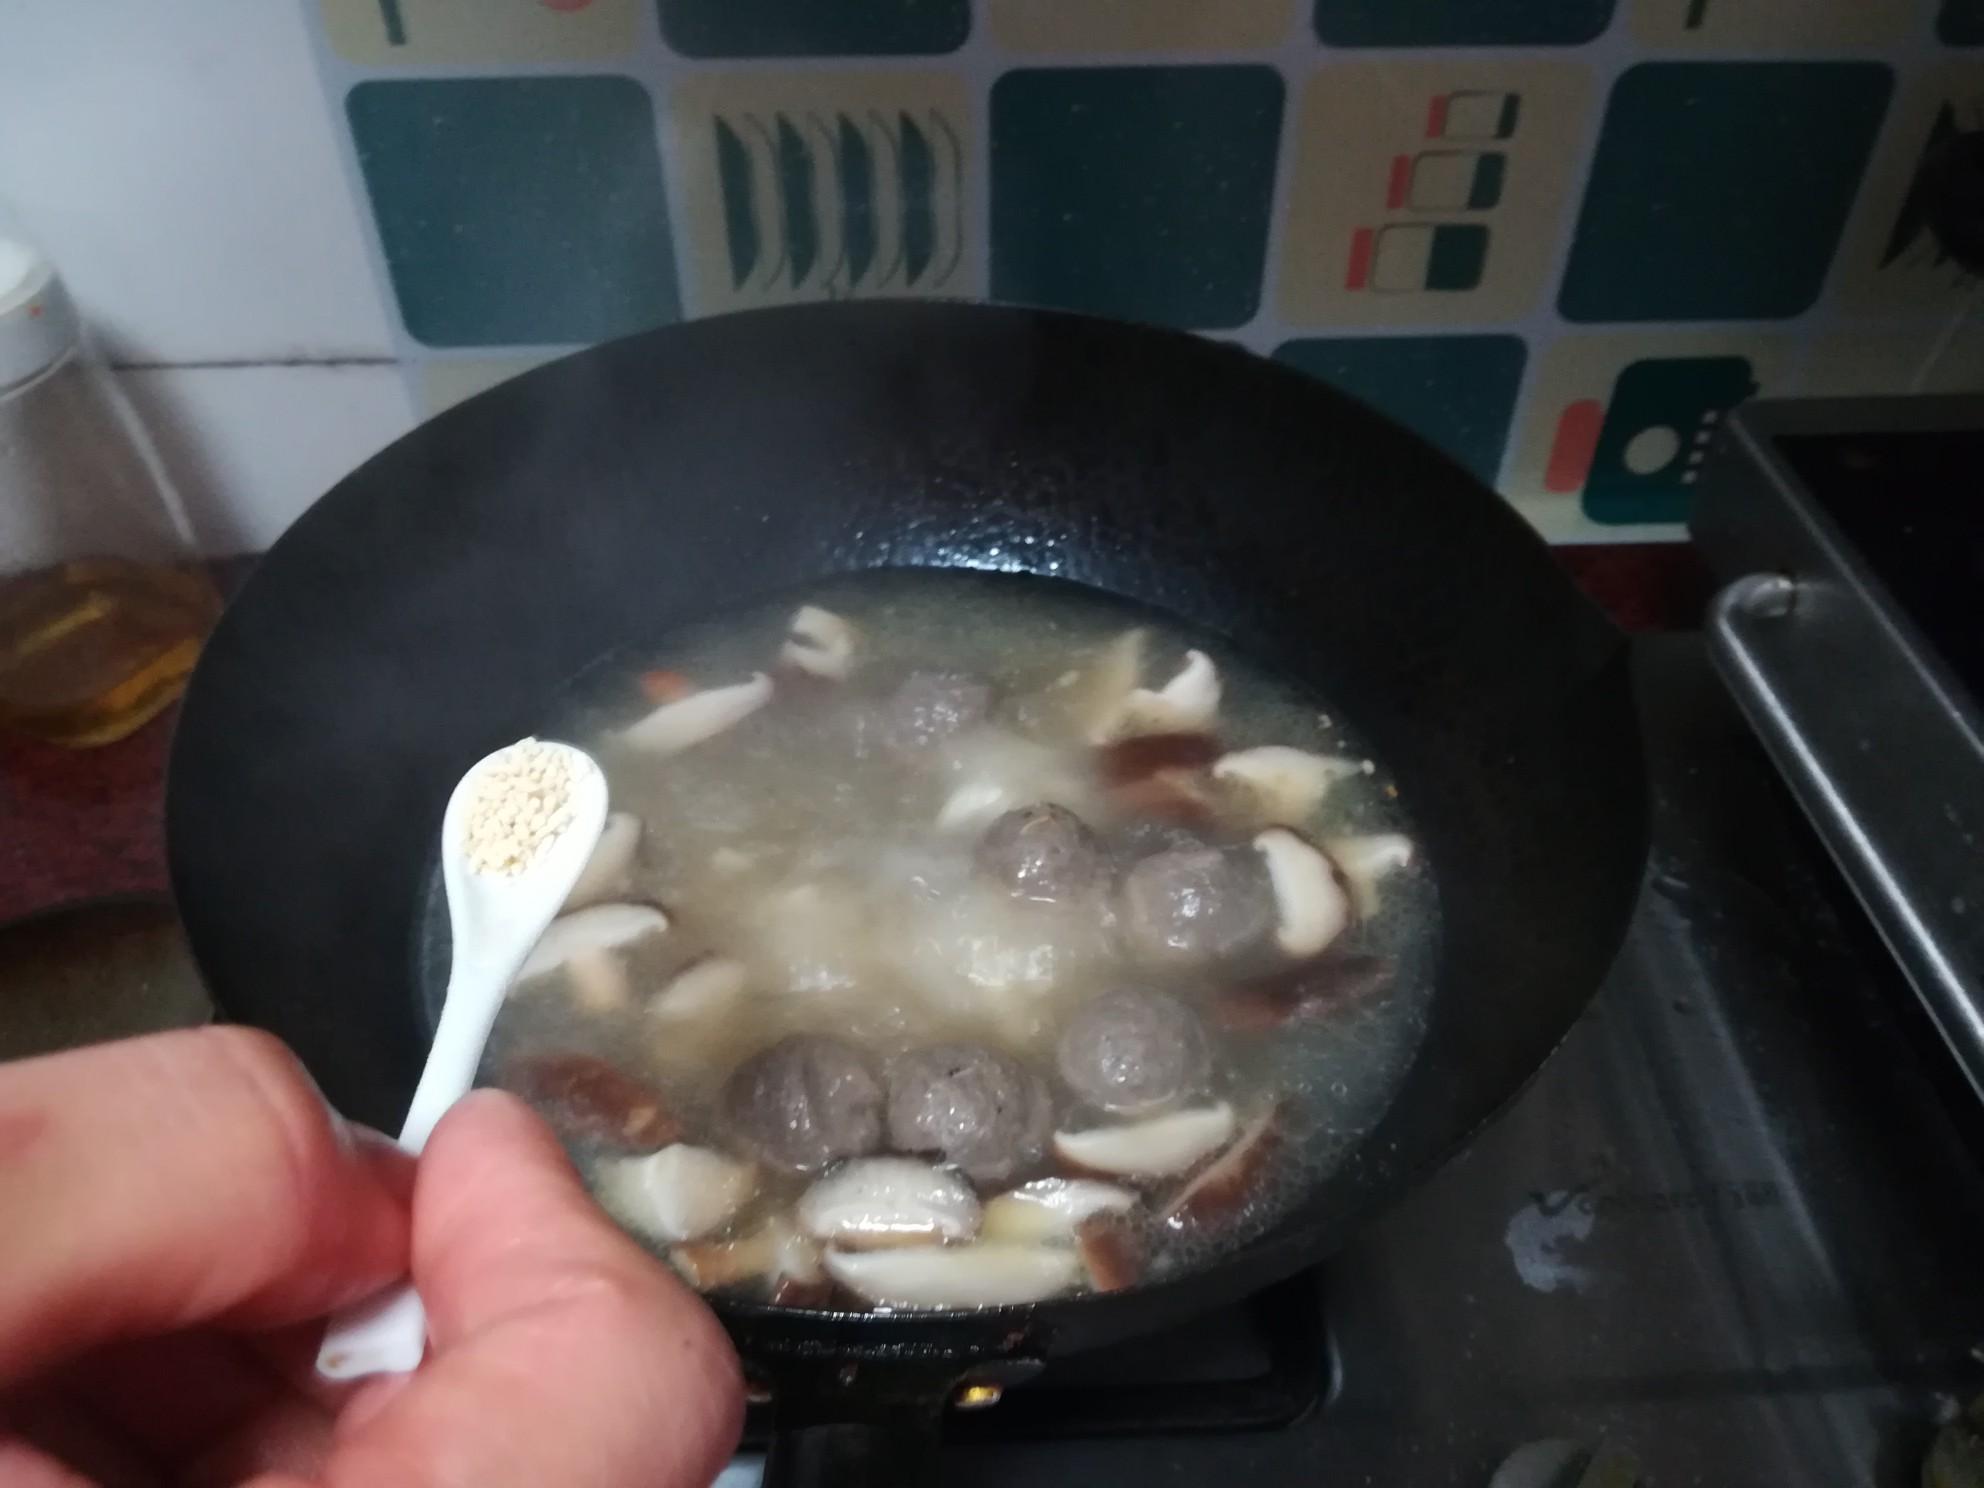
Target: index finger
562,1352
150,1185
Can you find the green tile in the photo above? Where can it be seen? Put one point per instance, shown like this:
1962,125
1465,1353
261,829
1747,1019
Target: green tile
518,211
814,28
1720,188
1457,392
1430,23
1961,22
1140,192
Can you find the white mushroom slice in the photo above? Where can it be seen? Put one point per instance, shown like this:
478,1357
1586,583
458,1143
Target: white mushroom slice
1051,1210
1311,907
610,869
944,1277
1104,688
678,1193
1161,1147
1365,860
876,1203
1280,786
1187,704
973,805
701,989
776,1250
819,643
676,726
587,945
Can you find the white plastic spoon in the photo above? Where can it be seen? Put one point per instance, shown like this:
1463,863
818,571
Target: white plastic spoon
495,919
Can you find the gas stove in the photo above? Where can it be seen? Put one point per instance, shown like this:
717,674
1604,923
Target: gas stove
1733,1234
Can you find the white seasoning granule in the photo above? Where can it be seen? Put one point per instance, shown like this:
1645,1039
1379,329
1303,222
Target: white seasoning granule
522,802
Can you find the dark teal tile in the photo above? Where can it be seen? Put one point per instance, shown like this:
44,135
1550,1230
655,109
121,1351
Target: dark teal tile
1139,192
1720,188
814,28
1458,392
518,211
1430,23
1961,22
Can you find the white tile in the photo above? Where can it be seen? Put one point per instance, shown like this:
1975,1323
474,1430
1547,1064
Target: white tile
250,447
176,157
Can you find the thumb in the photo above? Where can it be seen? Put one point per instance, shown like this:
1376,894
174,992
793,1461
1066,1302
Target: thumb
562,1352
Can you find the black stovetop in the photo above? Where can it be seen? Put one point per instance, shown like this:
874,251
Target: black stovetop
1734,1231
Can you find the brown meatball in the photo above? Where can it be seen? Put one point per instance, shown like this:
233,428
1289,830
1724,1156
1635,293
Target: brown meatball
1195,903
805,1102
1134,1052
1043,853
973,1107
931,705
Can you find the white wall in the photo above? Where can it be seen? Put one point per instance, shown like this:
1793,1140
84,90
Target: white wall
176,159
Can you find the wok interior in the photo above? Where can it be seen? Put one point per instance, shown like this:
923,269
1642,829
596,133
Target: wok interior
424,611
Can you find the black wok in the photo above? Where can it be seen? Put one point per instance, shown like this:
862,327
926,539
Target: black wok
425,611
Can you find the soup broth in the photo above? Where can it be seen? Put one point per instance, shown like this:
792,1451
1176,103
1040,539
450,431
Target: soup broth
967,939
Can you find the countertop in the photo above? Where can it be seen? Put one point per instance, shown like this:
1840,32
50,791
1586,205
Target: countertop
83,824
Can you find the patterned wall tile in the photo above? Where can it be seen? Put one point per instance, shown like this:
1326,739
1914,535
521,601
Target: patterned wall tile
1720,188
514,211
811,28
1889,260
1076,26
1618,422
1458,391
1780,25
825,185
417,33
1142,192
1429,192
1431,23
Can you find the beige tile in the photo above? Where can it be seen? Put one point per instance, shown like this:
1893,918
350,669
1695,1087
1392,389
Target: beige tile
1888,262
384,33
446,381
1783,25
882,157
1388,158
1077,26
1572,384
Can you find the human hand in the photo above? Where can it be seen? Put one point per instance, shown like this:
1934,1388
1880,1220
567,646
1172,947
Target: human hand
177,1215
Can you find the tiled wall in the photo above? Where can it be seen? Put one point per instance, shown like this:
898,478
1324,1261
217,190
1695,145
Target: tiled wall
1560,237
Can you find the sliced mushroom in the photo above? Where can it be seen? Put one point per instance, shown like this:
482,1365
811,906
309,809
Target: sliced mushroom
1111,1251
1276,786
1188,703
1050,1210
1313,992
686,722
882,1203
819,643
1311,907
610,869
678,1193
1365,860
776,1250
932,1278
1161,775
1103,688
1161,1147
702,989
1224,1189
588,946
585,1098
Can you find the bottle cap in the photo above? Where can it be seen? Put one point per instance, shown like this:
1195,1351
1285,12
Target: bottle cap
37,318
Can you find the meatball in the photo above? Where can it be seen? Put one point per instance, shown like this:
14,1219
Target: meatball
1043,853
974,1107
1195,903
931,706
805,1102
1133,1052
